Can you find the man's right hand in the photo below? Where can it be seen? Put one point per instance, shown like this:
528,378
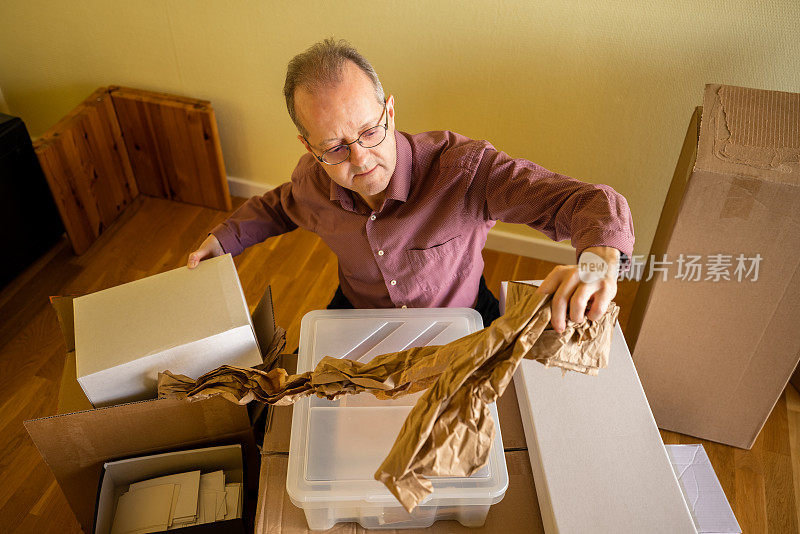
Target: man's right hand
210,248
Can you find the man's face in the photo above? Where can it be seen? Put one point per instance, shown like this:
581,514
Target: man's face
339,114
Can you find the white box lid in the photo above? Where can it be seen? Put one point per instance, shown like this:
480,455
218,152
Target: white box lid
336,446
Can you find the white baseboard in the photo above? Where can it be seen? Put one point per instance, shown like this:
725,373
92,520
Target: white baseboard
532,247
239,187
502,241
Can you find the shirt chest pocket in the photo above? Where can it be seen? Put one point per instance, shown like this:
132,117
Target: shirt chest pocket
438,267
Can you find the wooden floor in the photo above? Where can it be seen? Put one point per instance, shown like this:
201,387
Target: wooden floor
762,484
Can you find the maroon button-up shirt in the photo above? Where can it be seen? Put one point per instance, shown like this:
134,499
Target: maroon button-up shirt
422,248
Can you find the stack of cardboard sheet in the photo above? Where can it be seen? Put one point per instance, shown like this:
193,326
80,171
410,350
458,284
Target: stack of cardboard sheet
175,501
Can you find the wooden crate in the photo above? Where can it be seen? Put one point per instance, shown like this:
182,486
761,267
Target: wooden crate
122,141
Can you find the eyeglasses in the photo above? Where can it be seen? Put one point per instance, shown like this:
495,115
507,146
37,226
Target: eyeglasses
368,139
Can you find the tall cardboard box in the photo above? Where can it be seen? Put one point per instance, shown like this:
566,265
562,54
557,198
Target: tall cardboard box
715,349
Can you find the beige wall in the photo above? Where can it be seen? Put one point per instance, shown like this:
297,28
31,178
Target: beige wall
600,90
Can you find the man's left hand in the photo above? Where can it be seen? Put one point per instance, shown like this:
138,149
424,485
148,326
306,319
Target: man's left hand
572,295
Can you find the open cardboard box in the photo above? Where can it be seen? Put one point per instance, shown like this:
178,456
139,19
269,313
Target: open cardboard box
77,441
76,445
119,475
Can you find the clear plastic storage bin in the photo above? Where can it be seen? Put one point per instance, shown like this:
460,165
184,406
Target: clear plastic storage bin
336,446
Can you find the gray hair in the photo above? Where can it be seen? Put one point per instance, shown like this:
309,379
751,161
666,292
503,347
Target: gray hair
321,66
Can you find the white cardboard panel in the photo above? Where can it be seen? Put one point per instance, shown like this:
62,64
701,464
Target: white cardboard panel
597,457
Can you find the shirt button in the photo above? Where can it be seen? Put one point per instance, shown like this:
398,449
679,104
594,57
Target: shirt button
404,306
372,217
393,282
380,253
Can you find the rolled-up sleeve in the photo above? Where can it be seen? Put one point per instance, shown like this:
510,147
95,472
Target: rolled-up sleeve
519,191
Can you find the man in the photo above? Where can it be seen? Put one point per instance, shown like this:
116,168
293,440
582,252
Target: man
407,215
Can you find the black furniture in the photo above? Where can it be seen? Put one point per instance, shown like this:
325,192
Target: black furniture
29,220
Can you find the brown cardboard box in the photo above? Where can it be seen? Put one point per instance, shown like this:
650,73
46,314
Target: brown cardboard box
714,356
75,445
518,512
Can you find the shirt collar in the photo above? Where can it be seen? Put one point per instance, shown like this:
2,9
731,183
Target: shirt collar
341,194
399,183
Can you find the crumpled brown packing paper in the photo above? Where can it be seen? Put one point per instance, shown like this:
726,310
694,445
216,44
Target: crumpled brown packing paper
581,347
449,431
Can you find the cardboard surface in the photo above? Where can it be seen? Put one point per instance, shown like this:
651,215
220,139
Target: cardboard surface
710,508
185,321
597,457
518,512
71,397
736,190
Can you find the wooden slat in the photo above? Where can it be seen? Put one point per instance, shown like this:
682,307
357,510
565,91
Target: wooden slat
174,146
86,165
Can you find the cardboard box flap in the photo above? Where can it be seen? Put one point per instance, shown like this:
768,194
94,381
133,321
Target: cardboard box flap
669,214
263,318
76,445
71,397
751,132
66,319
